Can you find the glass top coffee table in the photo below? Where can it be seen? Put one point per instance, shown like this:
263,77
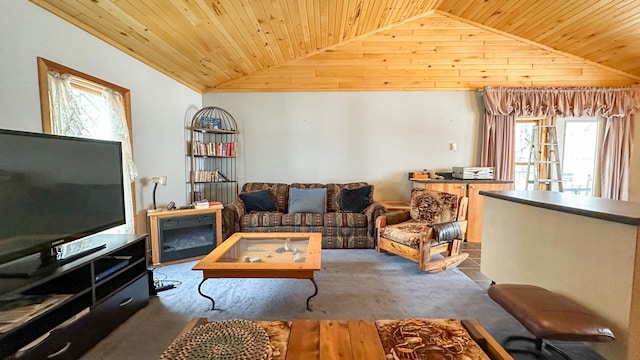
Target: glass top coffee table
263,255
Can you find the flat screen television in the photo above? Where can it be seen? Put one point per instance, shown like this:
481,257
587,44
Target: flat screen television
54,190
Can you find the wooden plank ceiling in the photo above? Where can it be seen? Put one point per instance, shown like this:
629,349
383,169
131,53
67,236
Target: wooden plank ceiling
333,45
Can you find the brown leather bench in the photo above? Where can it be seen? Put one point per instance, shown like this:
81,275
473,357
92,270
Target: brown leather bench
548,316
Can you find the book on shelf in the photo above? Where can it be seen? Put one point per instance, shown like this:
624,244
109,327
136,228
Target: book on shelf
208,176
226,149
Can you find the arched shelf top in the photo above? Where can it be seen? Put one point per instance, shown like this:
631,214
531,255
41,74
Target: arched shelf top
212,119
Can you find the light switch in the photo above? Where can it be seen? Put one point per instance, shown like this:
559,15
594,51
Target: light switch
453,146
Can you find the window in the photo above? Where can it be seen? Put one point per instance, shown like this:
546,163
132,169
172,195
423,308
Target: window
76,104
579,155
94,110
578,139
524,162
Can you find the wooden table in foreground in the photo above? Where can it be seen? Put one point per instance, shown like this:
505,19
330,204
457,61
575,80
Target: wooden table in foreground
264,255
355,340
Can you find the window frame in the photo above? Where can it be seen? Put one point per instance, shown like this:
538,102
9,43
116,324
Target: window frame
44,67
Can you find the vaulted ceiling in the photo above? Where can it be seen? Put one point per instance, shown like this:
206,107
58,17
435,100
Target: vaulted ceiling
330,45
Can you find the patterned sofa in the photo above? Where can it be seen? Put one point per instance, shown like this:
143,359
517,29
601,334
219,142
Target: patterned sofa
340,227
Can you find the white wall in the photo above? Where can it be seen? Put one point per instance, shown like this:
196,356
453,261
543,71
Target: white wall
376,137
159,104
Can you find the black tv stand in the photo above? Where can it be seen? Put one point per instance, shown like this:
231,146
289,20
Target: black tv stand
92,294
43,263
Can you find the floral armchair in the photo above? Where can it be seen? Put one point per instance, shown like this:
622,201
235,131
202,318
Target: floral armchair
435,224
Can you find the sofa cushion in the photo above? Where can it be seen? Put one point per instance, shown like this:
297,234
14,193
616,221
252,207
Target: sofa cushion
346,220
333,192
307,200
261,200
355,200
280,192
308,186
407,233
303,219
433,207
261,219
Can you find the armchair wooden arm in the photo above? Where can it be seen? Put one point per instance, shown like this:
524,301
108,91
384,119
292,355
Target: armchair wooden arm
463,205
391,218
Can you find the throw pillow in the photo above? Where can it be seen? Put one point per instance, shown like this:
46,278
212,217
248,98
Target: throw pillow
433,207
261,200
355,200
307,200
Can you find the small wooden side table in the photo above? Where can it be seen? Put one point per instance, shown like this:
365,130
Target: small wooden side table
395,205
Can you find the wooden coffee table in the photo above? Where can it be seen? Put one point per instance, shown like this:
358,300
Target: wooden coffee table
353,339
263,255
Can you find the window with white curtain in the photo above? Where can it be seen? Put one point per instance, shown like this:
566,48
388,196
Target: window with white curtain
79,105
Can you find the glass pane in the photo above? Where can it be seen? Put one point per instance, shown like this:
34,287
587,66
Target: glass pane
522,150
579,156
98,124
94,114
268,250
523,146
521,178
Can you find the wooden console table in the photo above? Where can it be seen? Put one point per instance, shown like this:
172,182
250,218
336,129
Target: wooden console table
153,220
355,339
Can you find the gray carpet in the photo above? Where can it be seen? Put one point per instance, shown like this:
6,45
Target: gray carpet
353,284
